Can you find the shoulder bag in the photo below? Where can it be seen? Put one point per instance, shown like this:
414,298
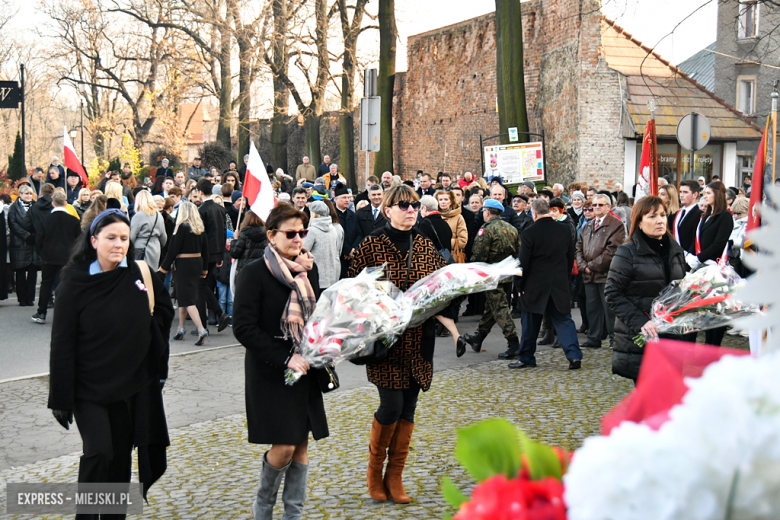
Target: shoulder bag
140,254
444,252
377,351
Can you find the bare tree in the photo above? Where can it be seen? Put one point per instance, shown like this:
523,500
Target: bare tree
388,34
350,31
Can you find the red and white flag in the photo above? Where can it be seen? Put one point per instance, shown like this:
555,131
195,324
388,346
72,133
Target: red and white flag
71,160
648,178
258,190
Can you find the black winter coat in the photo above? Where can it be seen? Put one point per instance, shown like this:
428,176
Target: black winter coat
56,238
249,246
22,238
213,216
437,230
40,209
546,256
352,234
275,412
366,222
636,277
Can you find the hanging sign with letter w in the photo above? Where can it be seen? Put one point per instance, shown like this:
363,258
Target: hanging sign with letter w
10,94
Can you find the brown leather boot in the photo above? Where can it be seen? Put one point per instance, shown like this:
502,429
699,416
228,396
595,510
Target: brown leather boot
381,436
396,460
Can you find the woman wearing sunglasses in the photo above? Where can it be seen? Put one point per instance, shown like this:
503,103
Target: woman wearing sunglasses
408,367
274,297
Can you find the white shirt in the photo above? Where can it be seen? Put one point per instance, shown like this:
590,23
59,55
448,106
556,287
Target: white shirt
56,208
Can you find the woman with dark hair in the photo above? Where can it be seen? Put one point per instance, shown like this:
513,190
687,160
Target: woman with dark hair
712,237
623,209
408,367
109,354
232,178
641,268
251,242
96,207
274,298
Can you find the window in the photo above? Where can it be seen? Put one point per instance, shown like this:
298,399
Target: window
748,18
745,168
746,95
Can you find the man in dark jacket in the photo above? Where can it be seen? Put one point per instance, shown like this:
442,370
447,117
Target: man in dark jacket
40,209
164,170
685,222
498,192
213,217
425,186
363,195
55,240
599,240
370,217
324,168
74,186
55,178
348,221
547,257
55,163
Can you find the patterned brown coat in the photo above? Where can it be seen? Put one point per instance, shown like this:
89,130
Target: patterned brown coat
411,357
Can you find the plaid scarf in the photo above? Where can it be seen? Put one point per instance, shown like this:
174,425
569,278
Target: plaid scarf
293,274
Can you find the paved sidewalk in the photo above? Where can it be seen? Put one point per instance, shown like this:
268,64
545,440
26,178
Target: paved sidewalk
213,471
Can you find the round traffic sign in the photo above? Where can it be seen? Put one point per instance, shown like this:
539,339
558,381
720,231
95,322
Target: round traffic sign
693,131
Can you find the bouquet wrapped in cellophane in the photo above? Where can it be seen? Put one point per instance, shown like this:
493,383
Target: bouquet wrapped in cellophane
430,295
350,315
703,300
353,313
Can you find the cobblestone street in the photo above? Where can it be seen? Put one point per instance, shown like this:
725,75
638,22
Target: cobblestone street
213,471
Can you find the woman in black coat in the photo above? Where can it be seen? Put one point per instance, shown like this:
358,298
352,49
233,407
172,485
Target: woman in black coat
712,236
273,299
189,254
251,241
24,260
649,261
109,355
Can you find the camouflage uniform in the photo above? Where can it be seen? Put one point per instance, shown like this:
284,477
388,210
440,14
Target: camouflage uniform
495,241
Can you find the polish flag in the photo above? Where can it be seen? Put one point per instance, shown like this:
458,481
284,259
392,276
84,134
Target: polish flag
258,190
71,160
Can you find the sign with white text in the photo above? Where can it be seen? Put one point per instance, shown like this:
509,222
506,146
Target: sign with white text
10,94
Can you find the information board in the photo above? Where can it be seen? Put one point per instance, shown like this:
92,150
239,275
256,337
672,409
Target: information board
515,163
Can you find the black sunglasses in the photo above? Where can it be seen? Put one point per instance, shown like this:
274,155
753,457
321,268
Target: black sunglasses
587,209
291,234
404,205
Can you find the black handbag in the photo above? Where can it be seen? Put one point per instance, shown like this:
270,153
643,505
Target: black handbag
377,351
327,378
444,252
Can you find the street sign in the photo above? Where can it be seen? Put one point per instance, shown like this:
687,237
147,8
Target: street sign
513,134
693,131
370,116
10,94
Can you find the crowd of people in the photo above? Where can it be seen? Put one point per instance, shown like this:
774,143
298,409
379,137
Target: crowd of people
190,237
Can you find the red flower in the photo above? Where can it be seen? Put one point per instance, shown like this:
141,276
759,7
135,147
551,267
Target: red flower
518,499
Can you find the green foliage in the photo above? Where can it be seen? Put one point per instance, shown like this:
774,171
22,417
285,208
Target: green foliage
143,172
16,166
496,446
115,165
488,448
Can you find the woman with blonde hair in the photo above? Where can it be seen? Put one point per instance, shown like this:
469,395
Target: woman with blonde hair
82,202
114,191
147,230
189,254
671,198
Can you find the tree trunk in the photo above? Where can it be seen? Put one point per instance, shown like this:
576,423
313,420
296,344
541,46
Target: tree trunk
281,95
509,69
226,90
388,34
311,132
347,128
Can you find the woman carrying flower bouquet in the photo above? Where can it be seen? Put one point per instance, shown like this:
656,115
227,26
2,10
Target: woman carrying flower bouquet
408,367
274,297
712,236
641,268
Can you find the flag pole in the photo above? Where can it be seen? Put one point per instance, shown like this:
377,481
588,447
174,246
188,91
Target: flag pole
651,104
774,128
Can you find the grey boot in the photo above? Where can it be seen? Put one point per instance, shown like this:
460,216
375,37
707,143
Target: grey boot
270,478
294,493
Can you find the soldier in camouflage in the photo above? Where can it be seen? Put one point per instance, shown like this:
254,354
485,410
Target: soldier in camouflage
495,241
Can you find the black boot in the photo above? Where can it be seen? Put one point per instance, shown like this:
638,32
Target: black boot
513,349
549,337
475,340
